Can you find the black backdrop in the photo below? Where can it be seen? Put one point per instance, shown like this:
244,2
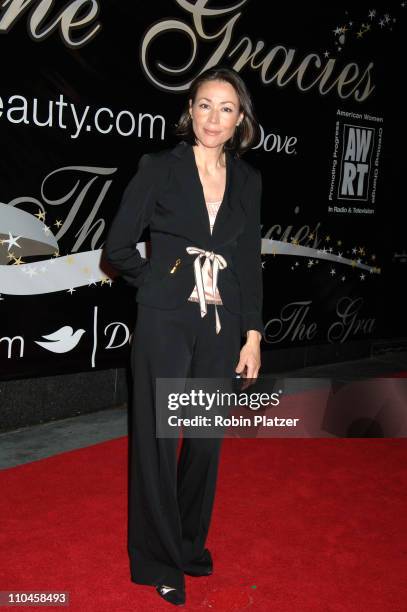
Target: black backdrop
327,86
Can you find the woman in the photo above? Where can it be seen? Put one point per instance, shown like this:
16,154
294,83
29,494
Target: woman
198,294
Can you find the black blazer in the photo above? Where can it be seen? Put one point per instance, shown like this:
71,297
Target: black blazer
166,194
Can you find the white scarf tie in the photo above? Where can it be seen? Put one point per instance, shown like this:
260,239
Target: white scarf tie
218,263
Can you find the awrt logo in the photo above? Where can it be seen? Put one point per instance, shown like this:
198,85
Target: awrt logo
356,164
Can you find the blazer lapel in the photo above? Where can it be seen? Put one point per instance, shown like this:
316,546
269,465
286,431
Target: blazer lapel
188,177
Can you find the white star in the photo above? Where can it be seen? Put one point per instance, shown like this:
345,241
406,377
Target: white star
381,23
372,13
31,271
46,229
71,290
339,255
12,241
362,277
326,54
333,271
91,281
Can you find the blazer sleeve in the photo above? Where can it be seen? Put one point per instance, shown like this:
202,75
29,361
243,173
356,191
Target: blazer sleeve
249,268
133,216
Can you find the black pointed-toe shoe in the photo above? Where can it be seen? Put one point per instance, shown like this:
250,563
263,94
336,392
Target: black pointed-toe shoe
200,567
171,594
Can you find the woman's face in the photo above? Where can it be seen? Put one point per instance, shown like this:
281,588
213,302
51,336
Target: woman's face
215,113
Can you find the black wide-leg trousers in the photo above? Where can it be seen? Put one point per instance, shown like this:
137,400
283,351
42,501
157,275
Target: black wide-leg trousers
170,501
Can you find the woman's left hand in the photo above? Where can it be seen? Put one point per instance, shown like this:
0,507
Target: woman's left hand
250,361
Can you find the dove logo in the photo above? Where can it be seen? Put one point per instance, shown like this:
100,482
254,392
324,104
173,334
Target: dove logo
62,340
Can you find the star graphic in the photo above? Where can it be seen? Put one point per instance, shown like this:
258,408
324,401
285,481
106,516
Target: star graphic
12,241
32,271
40,215
18,262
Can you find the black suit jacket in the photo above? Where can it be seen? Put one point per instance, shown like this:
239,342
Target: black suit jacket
166,194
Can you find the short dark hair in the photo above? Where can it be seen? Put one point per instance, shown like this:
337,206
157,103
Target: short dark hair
246,133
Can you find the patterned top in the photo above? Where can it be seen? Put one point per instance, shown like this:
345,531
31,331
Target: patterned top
212,208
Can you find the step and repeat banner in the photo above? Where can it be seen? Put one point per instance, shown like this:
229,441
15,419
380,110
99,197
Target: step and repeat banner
88,86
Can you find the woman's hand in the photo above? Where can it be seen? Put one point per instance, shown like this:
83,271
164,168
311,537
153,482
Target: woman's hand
250,361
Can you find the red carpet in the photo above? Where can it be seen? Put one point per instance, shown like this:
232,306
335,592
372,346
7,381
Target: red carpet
299,525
